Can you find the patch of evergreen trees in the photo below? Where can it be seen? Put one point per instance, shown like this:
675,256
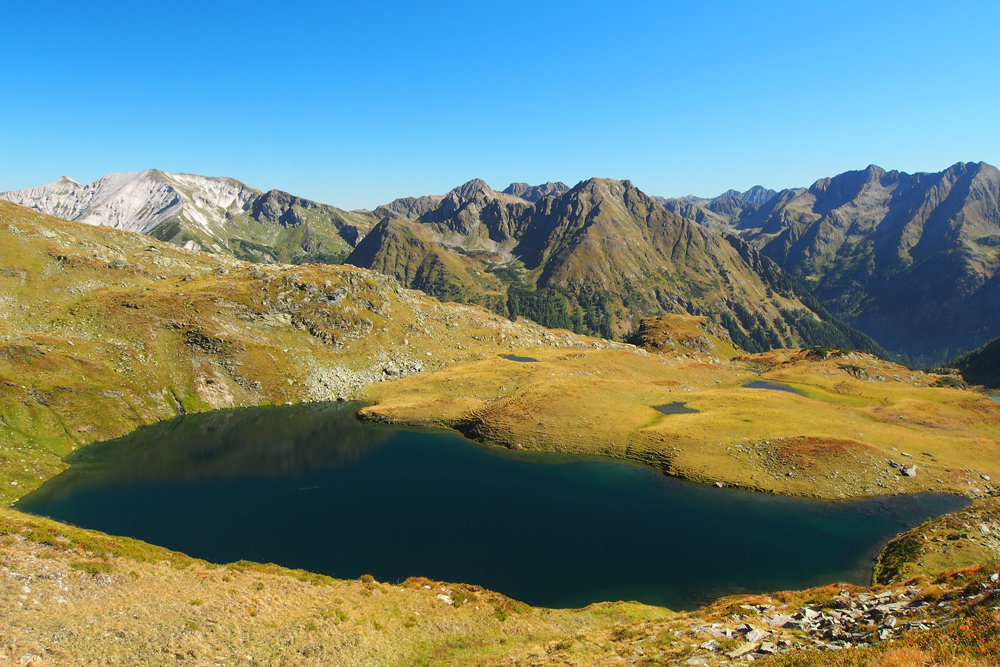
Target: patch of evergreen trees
586,312
981,366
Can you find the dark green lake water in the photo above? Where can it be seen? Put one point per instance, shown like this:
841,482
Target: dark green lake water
311,487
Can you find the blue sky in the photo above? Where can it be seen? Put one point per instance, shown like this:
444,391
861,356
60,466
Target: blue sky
355,104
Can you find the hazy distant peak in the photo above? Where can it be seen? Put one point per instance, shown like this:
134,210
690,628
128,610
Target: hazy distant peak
533,193
756,195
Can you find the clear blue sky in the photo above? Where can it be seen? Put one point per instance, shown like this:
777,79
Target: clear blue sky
355,104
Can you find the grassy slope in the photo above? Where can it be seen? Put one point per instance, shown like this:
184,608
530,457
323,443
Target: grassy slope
955,541
102,331
406,251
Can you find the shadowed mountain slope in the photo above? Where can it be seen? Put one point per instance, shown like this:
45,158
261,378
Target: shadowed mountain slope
405,250
909,259
981,366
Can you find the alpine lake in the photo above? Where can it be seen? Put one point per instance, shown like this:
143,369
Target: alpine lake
310,486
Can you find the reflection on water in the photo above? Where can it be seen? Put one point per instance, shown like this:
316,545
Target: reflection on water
311,487
250,442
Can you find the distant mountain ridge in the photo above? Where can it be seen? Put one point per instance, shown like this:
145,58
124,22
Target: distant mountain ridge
412,208
137,201
217,214
533,193
718,213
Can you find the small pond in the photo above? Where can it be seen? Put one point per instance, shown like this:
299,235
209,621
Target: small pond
675,408
310,486
523,360
995,398
765,384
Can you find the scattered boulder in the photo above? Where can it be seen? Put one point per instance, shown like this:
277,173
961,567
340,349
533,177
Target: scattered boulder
749,647
767,647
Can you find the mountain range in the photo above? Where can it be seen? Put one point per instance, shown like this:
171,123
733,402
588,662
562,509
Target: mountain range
219,215
595,258
910,260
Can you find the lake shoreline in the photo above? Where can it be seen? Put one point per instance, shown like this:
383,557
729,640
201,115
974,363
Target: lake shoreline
285,473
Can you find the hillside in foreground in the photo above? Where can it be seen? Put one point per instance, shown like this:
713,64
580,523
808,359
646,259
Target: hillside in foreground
104,330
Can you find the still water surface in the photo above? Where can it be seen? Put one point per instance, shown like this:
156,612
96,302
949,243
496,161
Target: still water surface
774,386
311,487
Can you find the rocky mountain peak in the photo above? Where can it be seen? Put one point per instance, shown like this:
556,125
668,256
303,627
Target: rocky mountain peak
472,188
533,193
758,195
874,172
596,184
